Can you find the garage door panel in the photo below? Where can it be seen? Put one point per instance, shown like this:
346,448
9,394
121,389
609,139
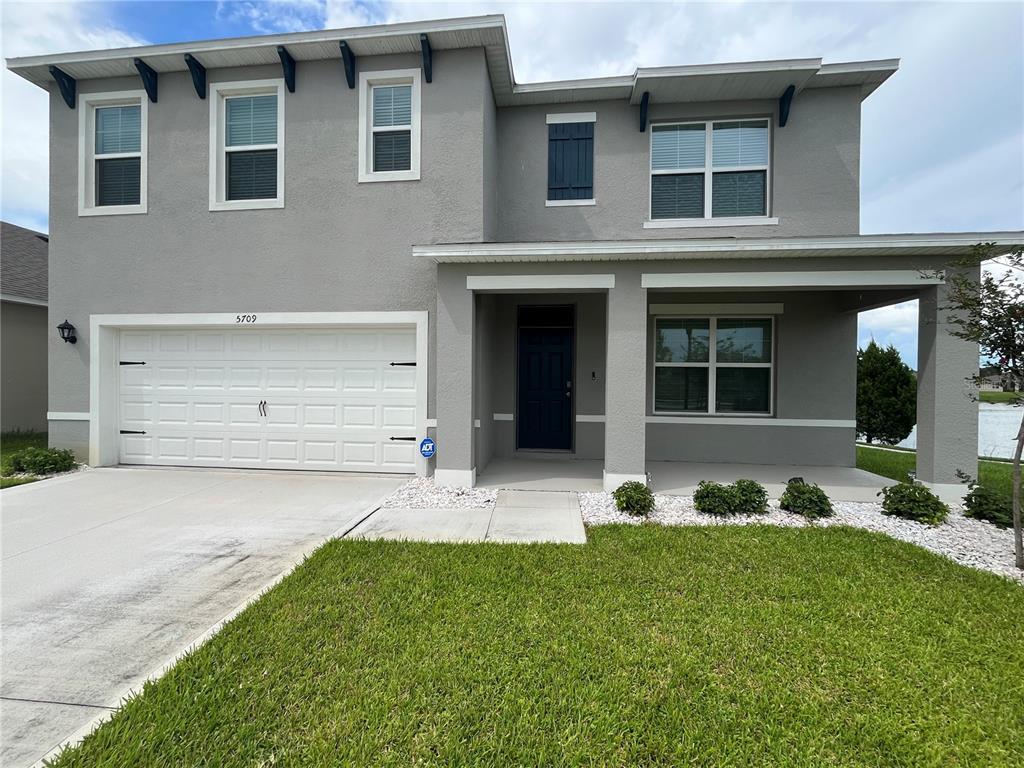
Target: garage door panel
399,380
331,398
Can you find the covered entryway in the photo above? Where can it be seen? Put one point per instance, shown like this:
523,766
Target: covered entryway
284,395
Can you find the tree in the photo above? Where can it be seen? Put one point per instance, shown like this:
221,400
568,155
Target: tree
990,312
886,395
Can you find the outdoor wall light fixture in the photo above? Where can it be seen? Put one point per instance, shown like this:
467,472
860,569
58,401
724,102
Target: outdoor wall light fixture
67,332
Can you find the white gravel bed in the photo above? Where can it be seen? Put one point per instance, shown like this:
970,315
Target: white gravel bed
422,493
973,543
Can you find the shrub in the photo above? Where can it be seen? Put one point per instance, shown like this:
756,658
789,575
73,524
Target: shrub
751,497
634,498
805,499
40,461
913,502
744,497
983,503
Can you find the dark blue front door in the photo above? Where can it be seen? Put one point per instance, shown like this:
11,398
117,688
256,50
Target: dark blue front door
544,419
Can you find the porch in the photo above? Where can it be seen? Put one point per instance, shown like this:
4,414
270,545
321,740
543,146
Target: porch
677,478
669,368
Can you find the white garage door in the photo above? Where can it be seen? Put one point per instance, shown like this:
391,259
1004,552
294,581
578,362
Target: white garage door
325,399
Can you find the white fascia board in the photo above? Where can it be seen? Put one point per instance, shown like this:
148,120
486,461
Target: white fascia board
539,282
467,23
714,248
821,279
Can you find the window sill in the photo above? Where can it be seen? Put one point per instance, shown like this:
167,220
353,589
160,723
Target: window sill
245,205
568,203
724,221
365,177
112,210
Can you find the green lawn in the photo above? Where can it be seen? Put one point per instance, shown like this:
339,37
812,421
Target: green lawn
897,462
649,646
1000,397
15,441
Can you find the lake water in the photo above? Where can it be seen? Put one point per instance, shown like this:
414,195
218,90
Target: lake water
997,430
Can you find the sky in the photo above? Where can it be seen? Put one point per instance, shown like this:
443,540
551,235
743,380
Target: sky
942,141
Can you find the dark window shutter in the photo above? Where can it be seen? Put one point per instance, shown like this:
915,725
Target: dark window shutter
571,161
118,181
252,175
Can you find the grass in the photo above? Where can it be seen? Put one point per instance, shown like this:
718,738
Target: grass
897,462
1000,397
11,442
648,646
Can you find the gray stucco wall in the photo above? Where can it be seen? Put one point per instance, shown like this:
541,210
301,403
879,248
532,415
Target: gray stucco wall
815,169
23,332
337,245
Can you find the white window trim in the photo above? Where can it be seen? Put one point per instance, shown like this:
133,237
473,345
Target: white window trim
708,170
219,93
87,104
712,364
569,203
572,117
388,77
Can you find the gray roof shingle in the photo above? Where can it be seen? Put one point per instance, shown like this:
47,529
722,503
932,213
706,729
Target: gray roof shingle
23,262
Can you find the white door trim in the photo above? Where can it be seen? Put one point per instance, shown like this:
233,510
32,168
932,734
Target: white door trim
103,364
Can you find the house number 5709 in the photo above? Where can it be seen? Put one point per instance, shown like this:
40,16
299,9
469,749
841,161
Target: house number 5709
245,318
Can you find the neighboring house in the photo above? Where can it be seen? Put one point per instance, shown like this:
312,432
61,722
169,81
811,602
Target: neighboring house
23,328
310,250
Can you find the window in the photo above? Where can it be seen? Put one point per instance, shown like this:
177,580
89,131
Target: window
571,159
389,125
713,365
112,153
710,170
247,145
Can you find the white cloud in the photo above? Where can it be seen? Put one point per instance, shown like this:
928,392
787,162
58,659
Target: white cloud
895,325
27,29
270,16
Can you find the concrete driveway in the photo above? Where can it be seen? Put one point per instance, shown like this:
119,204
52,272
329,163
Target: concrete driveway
108,573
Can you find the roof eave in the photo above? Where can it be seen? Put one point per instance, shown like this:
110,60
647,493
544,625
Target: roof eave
939,244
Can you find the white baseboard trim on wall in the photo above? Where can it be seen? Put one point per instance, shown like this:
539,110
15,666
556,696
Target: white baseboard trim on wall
67,415
752,421
613,480
455,478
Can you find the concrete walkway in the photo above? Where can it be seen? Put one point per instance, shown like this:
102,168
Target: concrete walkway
517,517
109,573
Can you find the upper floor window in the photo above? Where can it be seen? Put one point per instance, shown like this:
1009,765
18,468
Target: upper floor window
247,145
709,170
389,125
571,158
112,153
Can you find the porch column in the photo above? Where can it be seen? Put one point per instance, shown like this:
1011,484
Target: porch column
453,375
625,406
947,400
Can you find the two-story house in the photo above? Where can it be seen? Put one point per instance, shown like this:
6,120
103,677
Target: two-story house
311,250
